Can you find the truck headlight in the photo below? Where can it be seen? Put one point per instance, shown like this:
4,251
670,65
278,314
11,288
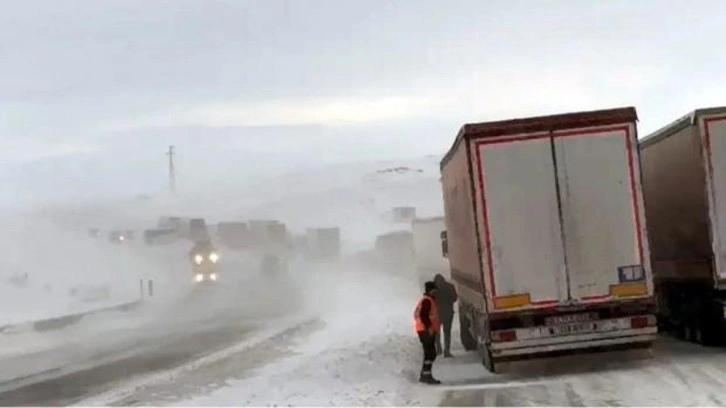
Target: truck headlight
213,276
199,277
214,257
198,259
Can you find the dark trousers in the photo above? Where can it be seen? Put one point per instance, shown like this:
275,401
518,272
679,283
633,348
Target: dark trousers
446,333
428,342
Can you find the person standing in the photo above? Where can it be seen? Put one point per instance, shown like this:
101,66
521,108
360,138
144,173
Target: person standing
427,324
445,299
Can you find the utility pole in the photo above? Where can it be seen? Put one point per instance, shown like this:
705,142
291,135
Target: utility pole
172,175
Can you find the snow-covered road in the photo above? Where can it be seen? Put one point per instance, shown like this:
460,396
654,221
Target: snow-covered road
69,373
381,371
108,352
676,374
358,352
372,358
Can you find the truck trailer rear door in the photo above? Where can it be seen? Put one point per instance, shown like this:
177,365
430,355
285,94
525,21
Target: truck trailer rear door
523,256
600,195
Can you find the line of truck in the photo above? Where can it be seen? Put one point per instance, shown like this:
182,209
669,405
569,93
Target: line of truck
564,233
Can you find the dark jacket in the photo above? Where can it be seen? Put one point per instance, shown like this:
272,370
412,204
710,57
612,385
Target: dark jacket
445,297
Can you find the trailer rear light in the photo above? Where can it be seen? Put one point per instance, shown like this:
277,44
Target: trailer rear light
639,322
504,336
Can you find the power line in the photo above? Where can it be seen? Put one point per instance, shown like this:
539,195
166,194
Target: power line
172,174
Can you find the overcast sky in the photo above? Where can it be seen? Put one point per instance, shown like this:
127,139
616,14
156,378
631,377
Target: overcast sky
92,91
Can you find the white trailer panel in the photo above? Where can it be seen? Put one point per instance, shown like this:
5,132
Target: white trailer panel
524,256
562,218
602,208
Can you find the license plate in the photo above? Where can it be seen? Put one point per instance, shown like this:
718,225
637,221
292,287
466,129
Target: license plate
573,328
567,319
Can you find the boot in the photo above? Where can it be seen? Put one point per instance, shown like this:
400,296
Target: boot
428,379
447,354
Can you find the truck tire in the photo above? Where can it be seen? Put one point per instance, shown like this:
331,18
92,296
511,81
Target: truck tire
482,347
698,335
486,359
688,332
467,340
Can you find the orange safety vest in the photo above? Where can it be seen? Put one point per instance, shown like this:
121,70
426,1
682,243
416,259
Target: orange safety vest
433,315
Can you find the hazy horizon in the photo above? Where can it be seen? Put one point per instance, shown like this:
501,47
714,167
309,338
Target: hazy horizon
93,92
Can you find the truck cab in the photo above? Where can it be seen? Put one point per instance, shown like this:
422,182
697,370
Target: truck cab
204,259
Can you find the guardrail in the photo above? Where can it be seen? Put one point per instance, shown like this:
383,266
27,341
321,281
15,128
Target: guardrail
55,323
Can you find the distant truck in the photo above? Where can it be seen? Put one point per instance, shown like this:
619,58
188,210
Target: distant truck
259,231
403,214
277,234
121,236
684,184
429,248
547,237
323,243
395,249
157,236
270,241
235,235
198,230
174,223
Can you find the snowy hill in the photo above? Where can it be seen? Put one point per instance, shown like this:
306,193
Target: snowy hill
356,198
47,272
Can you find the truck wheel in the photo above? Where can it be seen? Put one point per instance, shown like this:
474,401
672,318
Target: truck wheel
678,330
699,335
486,358
687,332
467,340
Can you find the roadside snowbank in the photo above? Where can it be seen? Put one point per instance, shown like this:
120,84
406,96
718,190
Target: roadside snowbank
47,272
23,343
30,305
